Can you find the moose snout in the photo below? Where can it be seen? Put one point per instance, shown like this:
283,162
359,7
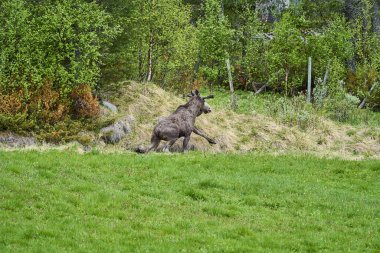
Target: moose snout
206,108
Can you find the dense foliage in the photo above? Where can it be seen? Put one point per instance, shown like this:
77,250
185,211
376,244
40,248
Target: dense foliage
185,43
56,40
49,50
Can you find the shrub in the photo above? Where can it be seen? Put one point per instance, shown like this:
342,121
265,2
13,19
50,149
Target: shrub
292,111
11,104
341,107
17,123
320,93
43,107
85,104
46,105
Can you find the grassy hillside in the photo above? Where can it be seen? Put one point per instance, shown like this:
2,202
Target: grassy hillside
196,202
261,123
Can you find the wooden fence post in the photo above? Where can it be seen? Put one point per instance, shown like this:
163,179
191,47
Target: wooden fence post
233,98
309,82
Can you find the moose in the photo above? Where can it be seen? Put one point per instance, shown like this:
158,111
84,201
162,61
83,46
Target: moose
181,123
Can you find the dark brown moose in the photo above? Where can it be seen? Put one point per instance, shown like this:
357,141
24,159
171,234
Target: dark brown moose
181,123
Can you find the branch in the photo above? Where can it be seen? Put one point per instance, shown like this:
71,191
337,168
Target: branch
261,89
362,104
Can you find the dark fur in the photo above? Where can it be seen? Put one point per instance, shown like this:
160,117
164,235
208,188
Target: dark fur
180,124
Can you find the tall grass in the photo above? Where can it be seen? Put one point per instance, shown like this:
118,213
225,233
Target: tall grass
295,110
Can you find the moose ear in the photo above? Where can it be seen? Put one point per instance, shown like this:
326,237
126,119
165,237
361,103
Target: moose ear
209,96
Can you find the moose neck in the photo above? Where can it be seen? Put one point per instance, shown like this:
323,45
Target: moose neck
194,107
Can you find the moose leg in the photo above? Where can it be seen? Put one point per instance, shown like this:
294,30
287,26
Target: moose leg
169,144
201,133
186,143
155,142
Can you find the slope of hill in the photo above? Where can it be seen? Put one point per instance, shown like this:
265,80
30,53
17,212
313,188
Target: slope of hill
237,132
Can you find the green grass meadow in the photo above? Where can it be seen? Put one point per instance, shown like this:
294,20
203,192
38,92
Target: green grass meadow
196,202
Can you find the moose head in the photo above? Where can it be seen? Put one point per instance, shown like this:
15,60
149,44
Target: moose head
201,101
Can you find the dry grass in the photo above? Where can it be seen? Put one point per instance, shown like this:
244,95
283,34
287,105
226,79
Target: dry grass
242,133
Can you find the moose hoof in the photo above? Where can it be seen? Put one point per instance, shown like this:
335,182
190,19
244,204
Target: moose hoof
165,150
212,142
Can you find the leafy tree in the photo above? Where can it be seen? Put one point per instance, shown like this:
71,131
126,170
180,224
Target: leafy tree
175,43
287,58
17,55
61,41
158,42
255,43
365,75
215,36
331,49
320,13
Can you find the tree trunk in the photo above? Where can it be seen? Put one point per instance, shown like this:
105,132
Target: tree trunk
286,82
150,58
326,73
264,87
376,20
233,98
195,70
244,40
141,71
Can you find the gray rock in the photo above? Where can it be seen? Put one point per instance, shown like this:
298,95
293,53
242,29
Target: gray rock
16,141
109,106
115,132
177,147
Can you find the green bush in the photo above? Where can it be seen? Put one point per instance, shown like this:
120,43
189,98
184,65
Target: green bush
17,123
320,93
341,108
48,49
293,111
57,40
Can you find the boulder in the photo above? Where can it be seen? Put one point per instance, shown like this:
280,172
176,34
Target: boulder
109,106
114,133
16,141
178,146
